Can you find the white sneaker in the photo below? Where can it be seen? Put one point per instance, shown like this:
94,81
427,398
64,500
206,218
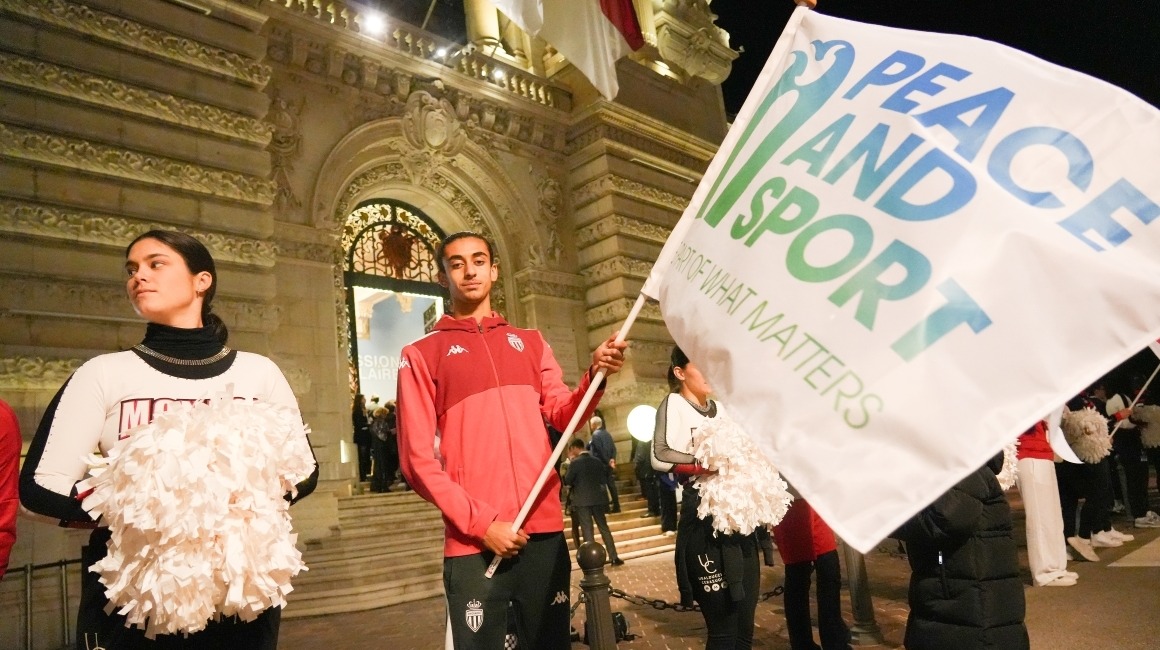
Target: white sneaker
1071,574
1083,548
1061,581
1123,537
1149,520
1103,540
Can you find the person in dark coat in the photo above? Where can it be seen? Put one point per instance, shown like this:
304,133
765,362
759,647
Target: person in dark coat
587,477
965,589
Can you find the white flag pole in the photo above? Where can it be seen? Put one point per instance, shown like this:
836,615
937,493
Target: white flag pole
566,437
1135,399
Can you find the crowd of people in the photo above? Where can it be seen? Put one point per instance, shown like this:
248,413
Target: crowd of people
376,439
472,428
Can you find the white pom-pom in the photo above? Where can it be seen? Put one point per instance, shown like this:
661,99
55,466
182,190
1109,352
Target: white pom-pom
1010,470
746,491
195,504
1087,433
1148,415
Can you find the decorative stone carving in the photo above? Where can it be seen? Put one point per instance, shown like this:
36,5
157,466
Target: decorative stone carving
26,144
534,282
431,125
284,148
637,392
49,221
619,225
135,36
551,198
688,40
109,93
108,299
616,267
309,251
612,184
617,311
36,373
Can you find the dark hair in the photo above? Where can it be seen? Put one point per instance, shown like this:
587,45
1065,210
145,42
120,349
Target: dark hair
576,443
198,260
677,359
463,234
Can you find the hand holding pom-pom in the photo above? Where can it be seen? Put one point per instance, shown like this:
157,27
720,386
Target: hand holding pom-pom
1010,470
1087,433
745,491
195,505
1148,416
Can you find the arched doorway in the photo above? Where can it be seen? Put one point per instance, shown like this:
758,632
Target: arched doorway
392,291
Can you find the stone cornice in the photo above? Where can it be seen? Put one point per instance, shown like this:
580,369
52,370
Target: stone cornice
614,184
542,282
622,226
141,38
112,94
53,222
108,300
616,267
27,145
617,311
36,373
641,133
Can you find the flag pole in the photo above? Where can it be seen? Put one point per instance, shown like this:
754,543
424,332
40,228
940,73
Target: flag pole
1135,399
566,437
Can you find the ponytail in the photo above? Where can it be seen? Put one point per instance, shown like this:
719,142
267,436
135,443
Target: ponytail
212,320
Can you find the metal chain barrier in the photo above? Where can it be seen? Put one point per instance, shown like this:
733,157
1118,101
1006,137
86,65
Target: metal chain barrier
657,603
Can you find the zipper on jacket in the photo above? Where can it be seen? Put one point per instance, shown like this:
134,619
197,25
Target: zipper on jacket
942,576
503,408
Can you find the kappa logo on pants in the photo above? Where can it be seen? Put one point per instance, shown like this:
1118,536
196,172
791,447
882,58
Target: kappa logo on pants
561,598
474,615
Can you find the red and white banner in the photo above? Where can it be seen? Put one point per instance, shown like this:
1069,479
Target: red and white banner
591,34
909,247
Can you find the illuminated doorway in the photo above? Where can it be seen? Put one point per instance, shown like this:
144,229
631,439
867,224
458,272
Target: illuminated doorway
392,293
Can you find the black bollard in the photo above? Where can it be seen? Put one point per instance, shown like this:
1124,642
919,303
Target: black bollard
595,585
865,630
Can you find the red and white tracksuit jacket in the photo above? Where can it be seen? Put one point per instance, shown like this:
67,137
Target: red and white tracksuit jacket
473,398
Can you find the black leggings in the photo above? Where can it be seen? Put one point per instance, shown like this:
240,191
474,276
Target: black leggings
729,622
835,635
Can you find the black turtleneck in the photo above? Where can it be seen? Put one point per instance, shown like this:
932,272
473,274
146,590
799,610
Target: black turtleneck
185,343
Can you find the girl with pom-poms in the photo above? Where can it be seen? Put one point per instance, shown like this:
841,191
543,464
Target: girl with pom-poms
114,403
720,572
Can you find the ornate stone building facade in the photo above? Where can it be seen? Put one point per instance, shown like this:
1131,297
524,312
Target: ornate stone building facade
260,125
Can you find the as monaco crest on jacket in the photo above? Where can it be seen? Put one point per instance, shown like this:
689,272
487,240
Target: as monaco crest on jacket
515,341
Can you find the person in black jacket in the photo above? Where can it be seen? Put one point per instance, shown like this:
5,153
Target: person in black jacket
587,476
965,589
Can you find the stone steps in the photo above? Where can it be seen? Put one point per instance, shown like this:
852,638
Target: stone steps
388,549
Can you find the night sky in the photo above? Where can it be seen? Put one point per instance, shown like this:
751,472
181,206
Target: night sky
1115,40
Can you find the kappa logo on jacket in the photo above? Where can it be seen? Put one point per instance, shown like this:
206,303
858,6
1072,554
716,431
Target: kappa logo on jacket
560,599
456,349
515,341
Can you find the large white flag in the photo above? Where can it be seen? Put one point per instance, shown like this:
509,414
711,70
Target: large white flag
909,248
591,34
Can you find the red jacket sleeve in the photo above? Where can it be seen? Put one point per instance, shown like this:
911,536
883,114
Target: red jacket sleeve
416,437
9,480
558,402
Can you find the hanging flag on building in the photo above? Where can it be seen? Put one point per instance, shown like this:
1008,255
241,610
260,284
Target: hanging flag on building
591,34
909,247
